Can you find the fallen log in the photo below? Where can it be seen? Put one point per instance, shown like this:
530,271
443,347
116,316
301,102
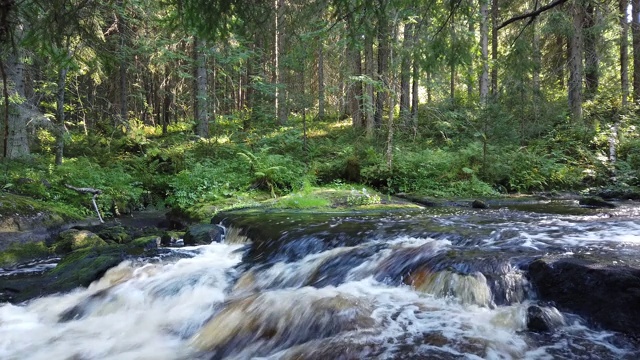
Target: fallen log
94,192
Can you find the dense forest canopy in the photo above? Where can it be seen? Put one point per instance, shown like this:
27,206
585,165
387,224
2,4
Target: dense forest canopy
441,97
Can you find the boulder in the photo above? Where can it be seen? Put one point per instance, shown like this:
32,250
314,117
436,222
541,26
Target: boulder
608,295
595,202
478,204
543,319
73,239
203,234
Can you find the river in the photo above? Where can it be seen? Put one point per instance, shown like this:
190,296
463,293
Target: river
445,284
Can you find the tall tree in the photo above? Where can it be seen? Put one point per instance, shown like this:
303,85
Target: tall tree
635,33
623,5
384,32
494,46
405,73
484,50
201,88
592,57
281,97
575,61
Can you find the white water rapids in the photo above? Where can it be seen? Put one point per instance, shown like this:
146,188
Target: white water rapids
208,307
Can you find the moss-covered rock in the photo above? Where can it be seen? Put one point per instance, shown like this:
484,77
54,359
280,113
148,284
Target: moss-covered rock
17,253
73,239
83,266
118,234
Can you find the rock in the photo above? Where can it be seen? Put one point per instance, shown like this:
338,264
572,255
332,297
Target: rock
203,234
608,295
543,319
165,239
73,239
118,234
596,202
478,204
82,267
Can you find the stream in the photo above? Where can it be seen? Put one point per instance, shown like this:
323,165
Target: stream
448,283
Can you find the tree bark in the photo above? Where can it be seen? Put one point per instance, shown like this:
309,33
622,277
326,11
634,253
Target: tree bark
201,91
484,50
635,33
575,62
17,144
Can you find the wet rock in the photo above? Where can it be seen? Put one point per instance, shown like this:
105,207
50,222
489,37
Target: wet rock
543,319
82,267
478,204
596,202
73,239
620,192
203,234
608,295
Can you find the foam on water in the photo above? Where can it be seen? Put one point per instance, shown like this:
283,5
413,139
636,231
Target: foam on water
348,302
148,311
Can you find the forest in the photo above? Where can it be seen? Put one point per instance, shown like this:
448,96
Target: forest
182,103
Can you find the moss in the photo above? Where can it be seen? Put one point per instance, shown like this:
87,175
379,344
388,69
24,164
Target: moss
11,205
83,266
17,253
72,239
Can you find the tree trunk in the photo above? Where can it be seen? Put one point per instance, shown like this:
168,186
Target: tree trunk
560,60
320,80
281,98
382,95
393,95
405,74
60,128
201,90
484,50
124,64
635,33
537,58
354,92
415,98
494,47
368,93
624,51
592,59
17,144
575,62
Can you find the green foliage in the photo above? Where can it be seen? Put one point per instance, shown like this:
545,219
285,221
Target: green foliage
204,182
273,172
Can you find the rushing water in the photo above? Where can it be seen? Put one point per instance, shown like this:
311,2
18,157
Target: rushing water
400,286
